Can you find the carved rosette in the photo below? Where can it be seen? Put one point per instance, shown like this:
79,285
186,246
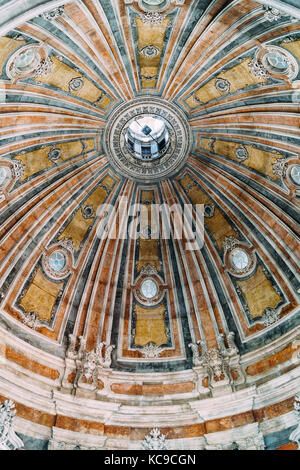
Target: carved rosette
147,171
222,85
149,51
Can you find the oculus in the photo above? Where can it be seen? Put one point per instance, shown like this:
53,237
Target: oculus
57,260
274,61
28,61
166,145
147,137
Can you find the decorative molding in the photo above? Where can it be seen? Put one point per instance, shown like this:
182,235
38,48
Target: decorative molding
258,69
149,270
18,169
87,366
274,14
155,441
8,438
230,243
44,67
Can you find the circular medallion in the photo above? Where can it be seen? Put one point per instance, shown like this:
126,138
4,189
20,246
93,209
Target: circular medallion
24,61
239,259
174,132
295,174
149,289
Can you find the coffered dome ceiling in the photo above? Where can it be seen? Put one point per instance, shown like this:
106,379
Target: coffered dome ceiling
146,330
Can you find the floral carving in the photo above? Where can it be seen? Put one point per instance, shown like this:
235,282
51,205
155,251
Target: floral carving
155,441
258,69
295,436
151,351
280,167
44,67
31,320
8,438
270,316
153,18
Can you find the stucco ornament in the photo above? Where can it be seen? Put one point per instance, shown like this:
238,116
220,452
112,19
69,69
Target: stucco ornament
155,441
270,316
280,167
274,61
89,364
151,351
153,18
149,51
274,14
8,438
295,436
53,14
216,364
31,320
